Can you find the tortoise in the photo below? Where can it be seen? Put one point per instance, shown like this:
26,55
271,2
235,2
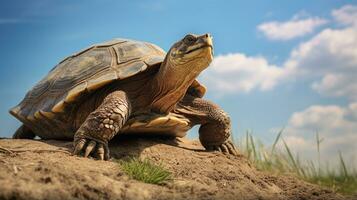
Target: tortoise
125,86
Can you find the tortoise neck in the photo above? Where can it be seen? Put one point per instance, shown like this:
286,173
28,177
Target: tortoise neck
168,88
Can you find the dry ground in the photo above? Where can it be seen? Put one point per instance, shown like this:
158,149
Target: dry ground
35,171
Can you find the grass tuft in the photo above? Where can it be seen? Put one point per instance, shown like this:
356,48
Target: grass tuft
284,161
145,171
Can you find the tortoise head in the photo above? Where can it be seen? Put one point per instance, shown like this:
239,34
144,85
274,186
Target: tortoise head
190,55
185,60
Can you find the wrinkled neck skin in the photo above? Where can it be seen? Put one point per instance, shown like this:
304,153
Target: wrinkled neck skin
172,81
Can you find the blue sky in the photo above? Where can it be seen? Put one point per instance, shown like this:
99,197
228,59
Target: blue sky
262,75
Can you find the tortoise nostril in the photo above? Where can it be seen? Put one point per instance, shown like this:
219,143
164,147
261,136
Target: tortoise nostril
206,35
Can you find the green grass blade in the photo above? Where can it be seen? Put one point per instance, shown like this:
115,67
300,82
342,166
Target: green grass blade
318,143
277,140
247,144
253,148
291,157
343,165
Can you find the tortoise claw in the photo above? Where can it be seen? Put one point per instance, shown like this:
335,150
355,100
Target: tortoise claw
91,147
79,144
231,148
226,148
100,151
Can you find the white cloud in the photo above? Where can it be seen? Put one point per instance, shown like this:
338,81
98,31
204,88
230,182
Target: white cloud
328,60
346,15
237,72
331,58
296,27
337,85
335,124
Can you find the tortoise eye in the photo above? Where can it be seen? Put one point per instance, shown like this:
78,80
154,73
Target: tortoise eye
190,39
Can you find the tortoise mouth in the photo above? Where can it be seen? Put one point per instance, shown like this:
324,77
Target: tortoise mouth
200,47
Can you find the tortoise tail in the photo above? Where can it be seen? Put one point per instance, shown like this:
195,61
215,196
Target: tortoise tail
24,132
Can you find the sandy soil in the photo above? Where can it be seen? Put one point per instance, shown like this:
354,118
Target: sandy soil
35,171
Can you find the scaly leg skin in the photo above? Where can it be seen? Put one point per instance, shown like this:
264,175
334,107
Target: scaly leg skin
102,125
215,129
24,133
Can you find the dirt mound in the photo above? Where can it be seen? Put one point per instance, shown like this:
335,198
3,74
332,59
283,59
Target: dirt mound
38,169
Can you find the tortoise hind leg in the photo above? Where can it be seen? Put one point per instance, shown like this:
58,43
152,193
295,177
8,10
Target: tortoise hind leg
215,129
23,132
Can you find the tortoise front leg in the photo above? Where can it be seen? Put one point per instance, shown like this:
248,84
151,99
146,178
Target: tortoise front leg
102,125
215,129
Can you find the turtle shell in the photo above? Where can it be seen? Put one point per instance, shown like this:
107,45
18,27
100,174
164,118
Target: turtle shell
83,73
